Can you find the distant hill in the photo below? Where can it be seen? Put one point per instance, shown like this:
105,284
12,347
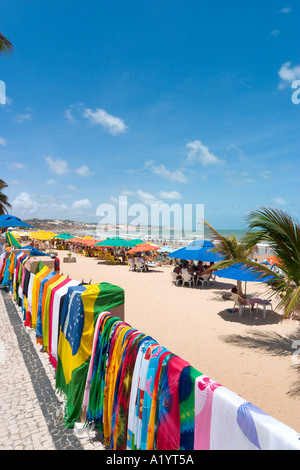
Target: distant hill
57,225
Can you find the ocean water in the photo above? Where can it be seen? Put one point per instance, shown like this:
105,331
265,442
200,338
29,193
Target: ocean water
166,236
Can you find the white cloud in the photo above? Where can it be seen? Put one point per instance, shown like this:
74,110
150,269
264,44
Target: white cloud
82,205
127,192
288,74
161,170
14,182
286,10
58,166
200,153
18,166
3,141
50,182
280,201
266,174
147,198
83,170
25,204
69,115
170,195
275,33
235,150
21,118
239,179
112,124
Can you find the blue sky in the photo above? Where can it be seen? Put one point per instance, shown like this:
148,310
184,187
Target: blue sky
179,102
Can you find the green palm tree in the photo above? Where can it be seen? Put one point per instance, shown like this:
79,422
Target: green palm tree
232,250
6,46
4,204
282,233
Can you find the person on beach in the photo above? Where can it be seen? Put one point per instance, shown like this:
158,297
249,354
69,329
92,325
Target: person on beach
178,269
245,300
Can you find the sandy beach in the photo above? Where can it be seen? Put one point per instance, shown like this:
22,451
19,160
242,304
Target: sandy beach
250,355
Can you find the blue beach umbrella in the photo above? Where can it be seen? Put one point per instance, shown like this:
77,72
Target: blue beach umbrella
34,251
12,221
166,249
241,272
198,251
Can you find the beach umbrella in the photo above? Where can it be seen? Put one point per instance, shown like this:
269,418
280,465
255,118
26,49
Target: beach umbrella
90,241
22,233
11,240
83,241
114,242
198,251
7,221
135,241
16,233
166,249
76,240
64,236
143,247
241,272
273,260
42,235
34,251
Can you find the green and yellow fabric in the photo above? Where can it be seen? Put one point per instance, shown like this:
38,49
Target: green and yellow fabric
11,240
81,308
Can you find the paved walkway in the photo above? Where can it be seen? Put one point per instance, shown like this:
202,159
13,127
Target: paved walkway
30,412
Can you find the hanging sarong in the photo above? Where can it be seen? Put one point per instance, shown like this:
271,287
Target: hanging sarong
129,338
75,344
119,340
149,386
85,401
60,292
167,412
28,309
36,292
6,273
43,288
187,381
97,385
137,395
163,359
120,432
56,281
204,393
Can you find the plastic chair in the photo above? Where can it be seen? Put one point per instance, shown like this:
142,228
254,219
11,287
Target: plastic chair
187,279
265,304
131,265
240,303
204,280
140,267
176,278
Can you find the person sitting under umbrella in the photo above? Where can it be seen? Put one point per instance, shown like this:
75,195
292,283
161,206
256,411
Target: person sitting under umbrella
247,301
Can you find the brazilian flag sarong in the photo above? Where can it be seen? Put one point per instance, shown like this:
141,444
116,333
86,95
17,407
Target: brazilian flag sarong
82,306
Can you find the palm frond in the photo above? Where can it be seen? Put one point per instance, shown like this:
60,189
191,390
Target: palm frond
6,46
282,233
4,204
